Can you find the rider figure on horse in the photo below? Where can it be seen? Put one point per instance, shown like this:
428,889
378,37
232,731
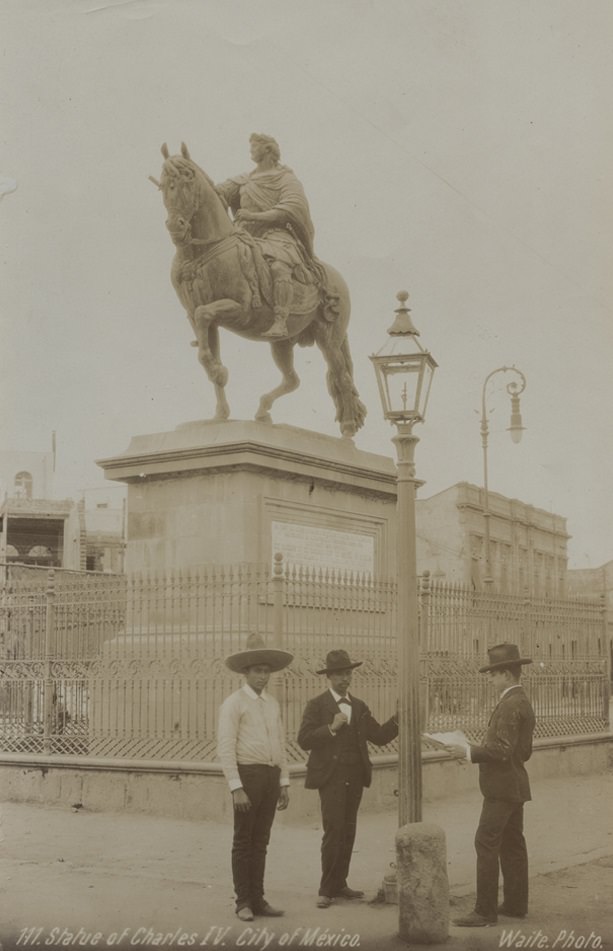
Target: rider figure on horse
270,204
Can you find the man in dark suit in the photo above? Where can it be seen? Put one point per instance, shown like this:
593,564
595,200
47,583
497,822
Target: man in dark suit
334,729
503,780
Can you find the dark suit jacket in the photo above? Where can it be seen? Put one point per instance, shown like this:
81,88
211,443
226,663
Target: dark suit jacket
507,746
315,736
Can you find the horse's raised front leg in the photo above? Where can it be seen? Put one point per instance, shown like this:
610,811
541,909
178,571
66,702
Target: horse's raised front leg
283,355
207,336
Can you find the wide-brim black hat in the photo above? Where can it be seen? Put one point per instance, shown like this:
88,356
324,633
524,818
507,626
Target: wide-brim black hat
258,653
338,660
503,655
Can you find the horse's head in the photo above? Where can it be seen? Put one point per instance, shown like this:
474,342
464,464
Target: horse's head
195,210
180,193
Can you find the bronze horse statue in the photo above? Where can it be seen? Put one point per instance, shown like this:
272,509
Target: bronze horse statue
223,280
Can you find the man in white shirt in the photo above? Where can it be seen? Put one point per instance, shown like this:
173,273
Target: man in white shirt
251,750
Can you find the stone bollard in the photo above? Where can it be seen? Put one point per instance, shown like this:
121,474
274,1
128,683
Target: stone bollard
423,886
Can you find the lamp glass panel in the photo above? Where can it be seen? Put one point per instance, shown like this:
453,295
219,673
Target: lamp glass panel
426,385
403,385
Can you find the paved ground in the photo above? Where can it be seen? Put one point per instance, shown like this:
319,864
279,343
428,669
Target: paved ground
65,874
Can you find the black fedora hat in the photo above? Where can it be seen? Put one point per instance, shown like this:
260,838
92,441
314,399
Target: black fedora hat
503,655
338,660
258,653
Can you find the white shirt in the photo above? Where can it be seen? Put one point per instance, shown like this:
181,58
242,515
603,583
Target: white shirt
344,708
250,731
506,690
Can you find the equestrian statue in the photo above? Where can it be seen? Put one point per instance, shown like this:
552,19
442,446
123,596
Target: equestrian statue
244,261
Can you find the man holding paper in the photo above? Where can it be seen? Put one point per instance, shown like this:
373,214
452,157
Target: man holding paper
503,780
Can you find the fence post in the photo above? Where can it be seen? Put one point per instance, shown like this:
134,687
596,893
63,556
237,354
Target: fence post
277,600
48,685
528,632
606,692
5,610
27,654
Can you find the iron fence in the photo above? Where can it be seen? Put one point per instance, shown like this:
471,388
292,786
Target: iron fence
133,666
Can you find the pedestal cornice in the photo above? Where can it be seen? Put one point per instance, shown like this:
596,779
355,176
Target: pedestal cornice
246,445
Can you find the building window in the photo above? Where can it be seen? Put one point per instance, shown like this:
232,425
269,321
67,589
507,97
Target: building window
23,485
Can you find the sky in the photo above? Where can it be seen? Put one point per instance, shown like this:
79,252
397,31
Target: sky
458,149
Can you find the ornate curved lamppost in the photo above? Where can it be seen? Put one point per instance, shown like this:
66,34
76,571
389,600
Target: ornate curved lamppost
514,389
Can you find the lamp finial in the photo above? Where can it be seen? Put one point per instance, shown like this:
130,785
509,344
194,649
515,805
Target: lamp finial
403,325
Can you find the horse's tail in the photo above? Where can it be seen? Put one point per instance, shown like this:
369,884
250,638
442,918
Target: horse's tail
359,410
334,344
347,358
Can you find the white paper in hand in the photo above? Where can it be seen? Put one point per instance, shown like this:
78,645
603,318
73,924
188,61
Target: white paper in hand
456,738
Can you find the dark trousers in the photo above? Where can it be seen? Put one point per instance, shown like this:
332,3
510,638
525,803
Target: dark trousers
500,842
252,833
340,800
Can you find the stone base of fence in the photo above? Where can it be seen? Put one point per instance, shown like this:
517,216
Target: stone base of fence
198,790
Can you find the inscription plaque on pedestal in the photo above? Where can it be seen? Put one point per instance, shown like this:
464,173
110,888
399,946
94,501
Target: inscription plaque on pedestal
311,546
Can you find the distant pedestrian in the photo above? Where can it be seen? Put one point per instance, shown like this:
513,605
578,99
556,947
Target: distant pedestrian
251,750
335,728
499,840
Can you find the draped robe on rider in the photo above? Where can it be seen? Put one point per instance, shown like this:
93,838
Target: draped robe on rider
278,189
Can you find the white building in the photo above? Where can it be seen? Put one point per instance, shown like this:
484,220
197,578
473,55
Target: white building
528,546
35,528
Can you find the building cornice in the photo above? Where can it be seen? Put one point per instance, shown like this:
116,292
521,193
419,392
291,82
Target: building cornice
38,508
469,497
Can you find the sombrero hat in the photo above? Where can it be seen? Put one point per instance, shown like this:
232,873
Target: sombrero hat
258,653
503,655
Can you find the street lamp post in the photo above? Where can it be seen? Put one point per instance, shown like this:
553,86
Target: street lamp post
514,389
404,371
409,754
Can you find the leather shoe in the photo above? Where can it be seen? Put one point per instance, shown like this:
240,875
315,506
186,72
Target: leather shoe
347,892
473,920
268,911
244,913
324,901
509,914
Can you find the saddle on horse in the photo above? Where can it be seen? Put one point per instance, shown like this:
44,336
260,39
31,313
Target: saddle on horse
258,257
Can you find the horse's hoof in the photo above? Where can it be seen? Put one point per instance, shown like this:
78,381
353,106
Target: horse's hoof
263,418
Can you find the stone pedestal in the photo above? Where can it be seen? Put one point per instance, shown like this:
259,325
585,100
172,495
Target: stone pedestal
202,499
423,886
233,492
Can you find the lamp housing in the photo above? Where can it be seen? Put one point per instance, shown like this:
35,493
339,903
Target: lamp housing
516,428
404,370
